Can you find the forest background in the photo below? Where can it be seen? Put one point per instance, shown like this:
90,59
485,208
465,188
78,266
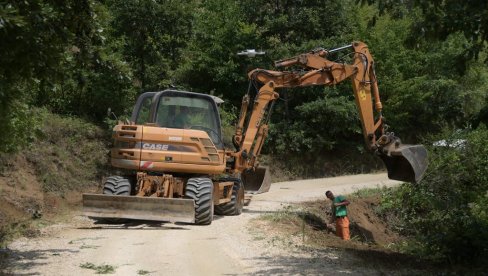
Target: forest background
77,58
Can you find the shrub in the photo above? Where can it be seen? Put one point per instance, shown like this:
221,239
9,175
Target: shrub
446,211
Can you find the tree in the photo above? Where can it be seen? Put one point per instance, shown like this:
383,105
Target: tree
35,36
446,211
210,63
154,34
442,18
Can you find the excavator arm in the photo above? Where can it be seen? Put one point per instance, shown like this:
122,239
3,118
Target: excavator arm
404,162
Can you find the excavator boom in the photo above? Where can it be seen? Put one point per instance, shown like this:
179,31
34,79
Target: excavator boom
403,162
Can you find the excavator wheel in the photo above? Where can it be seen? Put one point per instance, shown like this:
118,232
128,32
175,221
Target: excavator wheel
115,185
201,190
234,207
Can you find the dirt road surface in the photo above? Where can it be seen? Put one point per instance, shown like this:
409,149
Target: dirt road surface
226,247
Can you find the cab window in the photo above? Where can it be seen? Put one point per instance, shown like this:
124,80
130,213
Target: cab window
188,113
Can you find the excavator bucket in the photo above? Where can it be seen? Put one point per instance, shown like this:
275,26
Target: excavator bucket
141,208
256,181
406,163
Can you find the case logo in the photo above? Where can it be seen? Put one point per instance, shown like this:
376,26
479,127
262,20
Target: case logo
149,146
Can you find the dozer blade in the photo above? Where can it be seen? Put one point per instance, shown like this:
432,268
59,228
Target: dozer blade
142,208
257,181
406,163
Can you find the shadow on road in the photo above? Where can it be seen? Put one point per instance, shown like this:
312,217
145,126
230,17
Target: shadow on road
332,261
248,211
14,260
123,224
135,225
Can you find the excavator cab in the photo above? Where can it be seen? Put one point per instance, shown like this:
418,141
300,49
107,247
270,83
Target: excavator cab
180,110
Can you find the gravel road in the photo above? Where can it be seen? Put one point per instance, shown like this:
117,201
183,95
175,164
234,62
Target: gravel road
226,247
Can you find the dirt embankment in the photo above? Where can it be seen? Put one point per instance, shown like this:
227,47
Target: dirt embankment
68,156
367,225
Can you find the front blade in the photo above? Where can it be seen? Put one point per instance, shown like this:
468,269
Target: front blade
142,208
406,163
257,181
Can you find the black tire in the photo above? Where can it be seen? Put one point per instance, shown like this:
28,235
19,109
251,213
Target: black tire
117,185
201,190
236,204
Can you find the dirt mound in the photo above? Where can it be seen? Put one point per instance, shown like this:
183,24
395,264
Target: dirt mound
20,195
23,200
312,219
367,224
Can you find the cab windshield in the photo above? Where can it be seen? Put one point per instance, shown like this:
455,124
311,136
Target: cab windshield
181,112
188,113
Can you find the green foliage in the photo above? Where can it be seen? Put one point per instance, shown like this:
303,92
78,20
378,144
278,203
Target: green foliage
443,18
96,76
35,35
228,117
327,123
19,126
100,269
153,34
425,88
446,211
210,61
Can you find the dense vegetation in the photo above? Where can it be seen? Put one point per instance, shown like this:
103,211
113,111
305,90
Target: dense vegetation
80,58
447,212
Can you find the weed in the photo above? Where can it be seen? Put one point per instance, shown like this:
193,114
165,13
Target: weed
84,239
87,246
368,192
100,269
17,229
143,272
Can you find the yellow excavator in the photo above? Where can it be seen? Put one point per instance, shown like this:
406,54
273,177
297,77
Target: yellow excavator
177,168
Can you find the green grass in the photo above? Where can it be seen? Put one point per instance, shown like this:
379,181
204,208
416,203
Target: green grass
369,192
287,213
100,269
18,228
87,246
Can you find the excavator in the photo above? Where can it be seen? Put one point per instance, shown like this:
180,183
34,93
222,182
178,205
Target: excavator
175,163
